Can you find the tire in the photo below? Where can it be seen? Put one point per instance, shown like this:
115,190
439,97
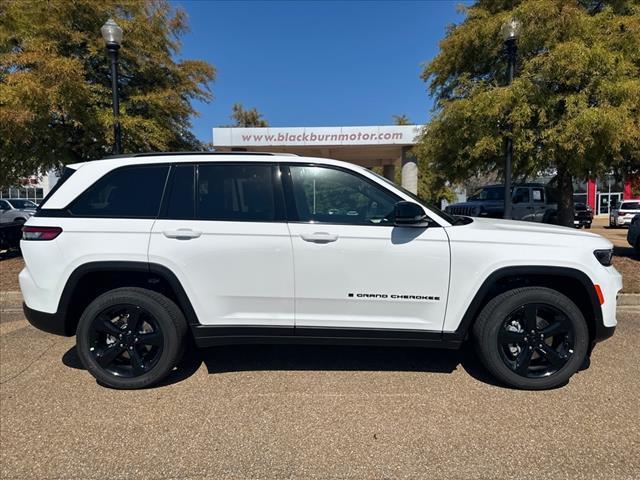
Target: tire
587,226
503,339
125,357
20,220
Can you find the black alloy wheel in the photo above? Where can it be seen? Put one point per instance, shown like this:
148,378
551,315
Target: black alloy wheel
126,340
536,340
131,337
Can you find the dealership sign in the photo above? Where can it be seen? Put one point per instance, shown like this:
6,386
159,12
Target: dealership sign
316,136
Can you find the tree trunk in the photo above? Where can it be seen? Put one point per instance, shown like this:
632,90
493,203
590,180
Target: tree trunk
565,197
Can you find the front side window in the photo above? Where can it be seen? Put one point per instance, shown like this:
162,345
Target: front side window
521,195
236,192
327,195
132,192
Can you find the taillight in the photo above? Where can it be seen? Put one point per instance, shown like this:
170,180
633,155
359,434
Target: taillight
40,233
621,214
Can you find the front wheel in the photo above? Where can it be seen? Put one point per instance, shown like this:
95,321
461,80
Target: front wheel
131,338
532,338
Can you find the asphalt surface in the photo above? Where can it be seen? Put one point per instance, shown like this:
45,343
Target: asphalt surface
315,412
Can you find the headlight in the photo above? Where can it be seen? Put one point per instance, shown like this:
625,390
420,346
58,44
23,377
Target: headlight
604,256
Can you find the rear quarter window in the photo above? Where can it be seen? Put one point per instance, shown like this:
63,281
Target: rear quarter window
130,192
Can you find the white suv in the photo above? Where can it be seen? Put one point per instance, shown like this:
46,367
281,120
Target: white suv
135,254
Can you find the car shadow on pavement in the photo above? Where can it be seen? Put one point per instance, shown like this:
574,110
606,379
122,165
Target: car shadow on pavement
245,358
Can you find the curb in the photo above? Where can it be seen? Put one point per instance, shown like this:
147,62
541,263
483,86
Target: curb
629,299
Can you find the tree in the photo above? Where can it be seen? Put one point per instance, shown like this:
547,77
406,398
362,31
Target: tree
573,108
55,91
247,118
401,120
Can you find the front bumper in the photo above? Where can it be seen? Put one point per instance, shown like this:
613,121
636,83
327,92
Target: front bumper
48,322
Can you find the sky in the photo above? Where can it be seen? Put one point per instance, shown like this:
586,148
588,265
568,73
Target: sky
326,63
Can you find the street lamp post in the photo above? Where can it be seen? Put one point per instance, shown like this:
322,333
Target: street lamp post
112,35
510,31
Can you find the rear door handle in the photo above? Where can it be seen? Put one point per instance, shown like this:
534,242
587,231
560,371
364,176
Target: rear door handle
182,233
319,237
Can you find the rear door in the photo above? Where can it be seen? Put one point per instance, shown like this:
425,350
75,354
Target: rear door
354,270
222,231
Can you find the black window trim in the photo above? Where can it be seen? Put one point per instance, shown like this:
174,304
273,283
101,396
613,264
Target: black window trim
68,208
276,183
292,213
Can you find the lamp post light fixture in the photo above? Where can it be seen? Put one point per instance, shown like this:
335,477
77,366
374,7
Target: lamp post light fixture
112,35
510,32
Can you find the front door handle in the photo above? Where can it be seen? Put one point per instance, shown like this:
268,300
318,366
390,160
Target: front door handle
182,233
319,237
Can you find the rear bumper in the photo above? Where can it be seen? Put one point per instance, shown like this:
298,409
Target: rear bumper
48,322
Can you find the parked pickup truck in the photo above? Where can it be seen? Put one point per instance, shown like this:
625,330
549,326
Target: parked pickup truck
530,201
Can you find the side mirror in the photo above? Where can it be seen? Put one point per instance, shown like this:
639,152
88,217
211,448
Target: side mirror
409,214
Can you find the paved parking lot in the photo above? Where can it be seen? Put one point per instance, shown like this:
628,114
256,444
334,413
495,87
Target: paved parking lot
314,412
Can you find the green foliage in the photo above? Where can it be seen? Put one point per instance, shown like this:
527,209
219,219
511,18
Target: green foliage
247,118
574,106
55,83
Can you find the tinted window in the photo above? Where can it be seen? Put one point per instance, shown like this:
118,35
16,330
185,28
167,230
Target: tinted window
236,193
630,206
181,198
127,192
334,196
488,193
23,204
522,195
4,205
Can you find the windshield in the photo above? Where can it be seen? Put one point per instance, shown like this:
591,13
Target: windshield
23,204
449,218
488,193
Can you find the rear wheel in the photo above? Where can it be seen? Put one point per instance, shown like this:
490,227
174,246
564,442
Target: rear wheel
532,338
131,337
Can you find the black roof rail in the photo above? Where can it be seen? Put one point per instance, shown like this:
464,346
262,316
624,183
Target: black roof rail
160,154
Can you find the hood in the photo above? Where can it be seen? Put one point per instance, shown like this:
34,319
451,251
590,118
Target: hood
525,233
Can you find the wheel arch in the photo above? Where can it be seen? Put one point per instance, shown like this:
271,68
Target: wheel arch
573,283
90,280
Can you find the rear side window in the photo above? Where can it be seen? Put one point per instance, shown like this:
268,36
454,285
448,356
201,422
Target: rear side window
242,193
538,194
132,192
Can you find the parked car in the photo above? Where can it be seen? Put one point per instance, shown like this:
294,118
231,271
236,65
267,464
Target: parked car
623,214
16,210
530,201
633,235
134,254
583,215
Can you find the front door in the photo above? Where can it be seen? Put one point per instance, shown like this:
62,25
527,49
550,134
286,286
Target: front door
222,231
353,268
